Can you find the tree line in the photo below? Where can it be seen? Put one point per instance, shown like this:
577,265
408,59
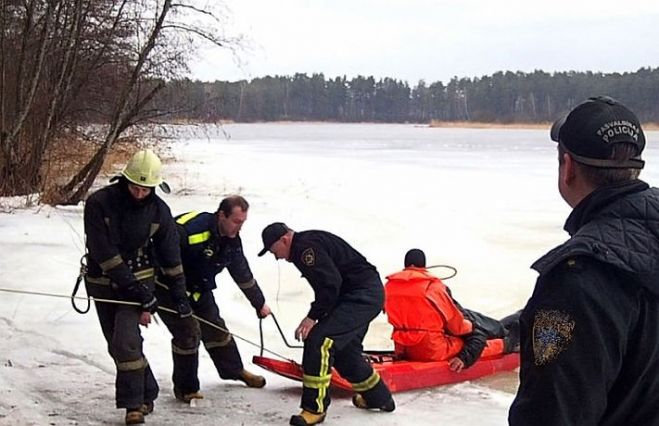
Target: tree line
66,64
503,97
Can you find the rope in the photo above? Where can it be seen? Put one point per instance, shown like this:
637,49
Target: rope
160,308
455,271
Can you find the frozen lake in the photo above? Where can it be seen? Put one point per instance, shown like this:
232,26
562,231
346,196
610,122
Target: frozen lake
483,201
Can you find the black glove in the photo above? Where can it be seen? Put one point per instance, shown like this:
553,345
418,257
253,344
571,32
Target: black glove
184,309
151,306
178,293
141,292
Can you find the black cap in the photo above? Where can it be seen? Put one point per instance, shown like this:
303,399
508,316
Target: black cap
592,128
271,234
415,257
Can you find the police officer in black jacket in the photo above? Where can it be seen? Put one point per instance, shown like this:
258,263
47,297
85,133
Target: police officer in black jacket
348,296
209,243
130,233
590,331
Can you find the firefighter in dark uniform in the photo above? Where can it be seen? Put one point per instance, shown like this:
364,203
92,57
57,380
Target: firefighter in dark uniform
209,243
130,232
590,331
348,296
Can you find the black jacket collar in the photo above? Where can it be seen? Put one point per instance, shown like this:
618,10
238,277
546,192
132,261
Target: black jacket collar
596,200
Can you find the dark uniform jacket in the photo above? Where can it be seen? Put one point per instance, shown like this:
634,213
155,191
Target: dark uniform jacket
205,254
590,332
127,240
333,268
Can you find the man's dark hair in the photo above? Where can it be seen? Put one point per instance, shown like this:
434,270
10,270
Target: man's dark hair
601,176
229,203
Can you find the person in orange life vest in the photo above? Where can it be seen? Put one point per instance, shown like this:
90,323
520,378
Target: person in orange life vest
429,325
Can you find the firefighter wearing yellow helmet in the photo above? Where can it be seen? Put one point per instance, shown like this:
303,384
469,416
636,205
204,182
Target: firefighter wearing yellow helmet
130,233
145,169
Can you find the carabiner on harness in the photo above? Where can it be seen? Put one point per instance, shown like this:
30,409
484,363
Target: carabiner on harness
81,276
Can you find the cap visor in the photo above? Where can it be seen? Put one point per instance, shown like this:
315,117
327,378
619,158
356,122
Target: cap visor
556,128
263,251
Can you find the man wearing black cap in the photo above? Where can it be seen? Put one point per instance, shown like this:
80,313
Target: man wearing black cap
348,296
590,331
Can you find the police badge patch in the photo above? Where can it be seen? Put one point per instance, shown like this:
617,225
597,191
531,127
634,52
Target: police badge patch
552,333
309,257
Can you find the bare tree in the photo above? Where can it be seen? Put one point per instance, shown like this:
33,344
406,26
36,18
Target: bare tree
67,64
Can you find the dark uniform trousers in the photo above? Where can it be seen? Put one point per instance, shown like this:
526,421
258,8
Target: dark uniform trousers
185,343
336,341
493,329
220,344
135,383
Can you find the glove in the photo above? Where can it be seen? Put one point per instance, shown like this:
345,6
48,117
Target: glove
179,296
184,309
151,306
141,292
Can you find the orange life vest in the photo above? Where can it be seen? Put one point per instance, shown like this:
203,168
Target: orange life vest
427,323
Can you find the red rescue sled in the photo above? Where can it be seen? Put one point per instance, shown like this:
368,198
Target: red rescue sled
401,375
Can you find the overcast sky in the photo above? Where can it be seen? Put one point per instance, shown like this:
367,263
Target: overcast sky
434,39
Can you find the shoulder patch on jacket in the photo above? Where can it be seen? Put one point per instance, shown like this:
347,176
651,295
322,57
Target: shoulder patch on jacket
309,257
552,333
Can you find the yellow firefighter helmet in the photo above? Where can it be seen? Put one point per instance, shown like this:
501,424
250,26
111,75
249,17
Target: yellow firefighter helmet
144,169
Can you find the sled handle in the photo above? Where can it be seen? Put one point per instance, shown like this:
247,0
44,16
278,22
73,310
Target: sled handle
281,333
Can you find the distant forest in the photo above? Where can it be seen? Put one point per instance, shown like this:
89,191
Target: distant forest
504,97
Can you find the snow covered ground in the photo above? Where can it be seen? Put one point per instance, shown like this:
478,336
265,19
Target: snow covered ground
484,201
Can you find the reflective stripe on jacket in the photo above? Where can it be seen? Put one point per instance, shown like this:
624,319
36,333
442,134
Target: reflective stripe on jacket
126,239
205,253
